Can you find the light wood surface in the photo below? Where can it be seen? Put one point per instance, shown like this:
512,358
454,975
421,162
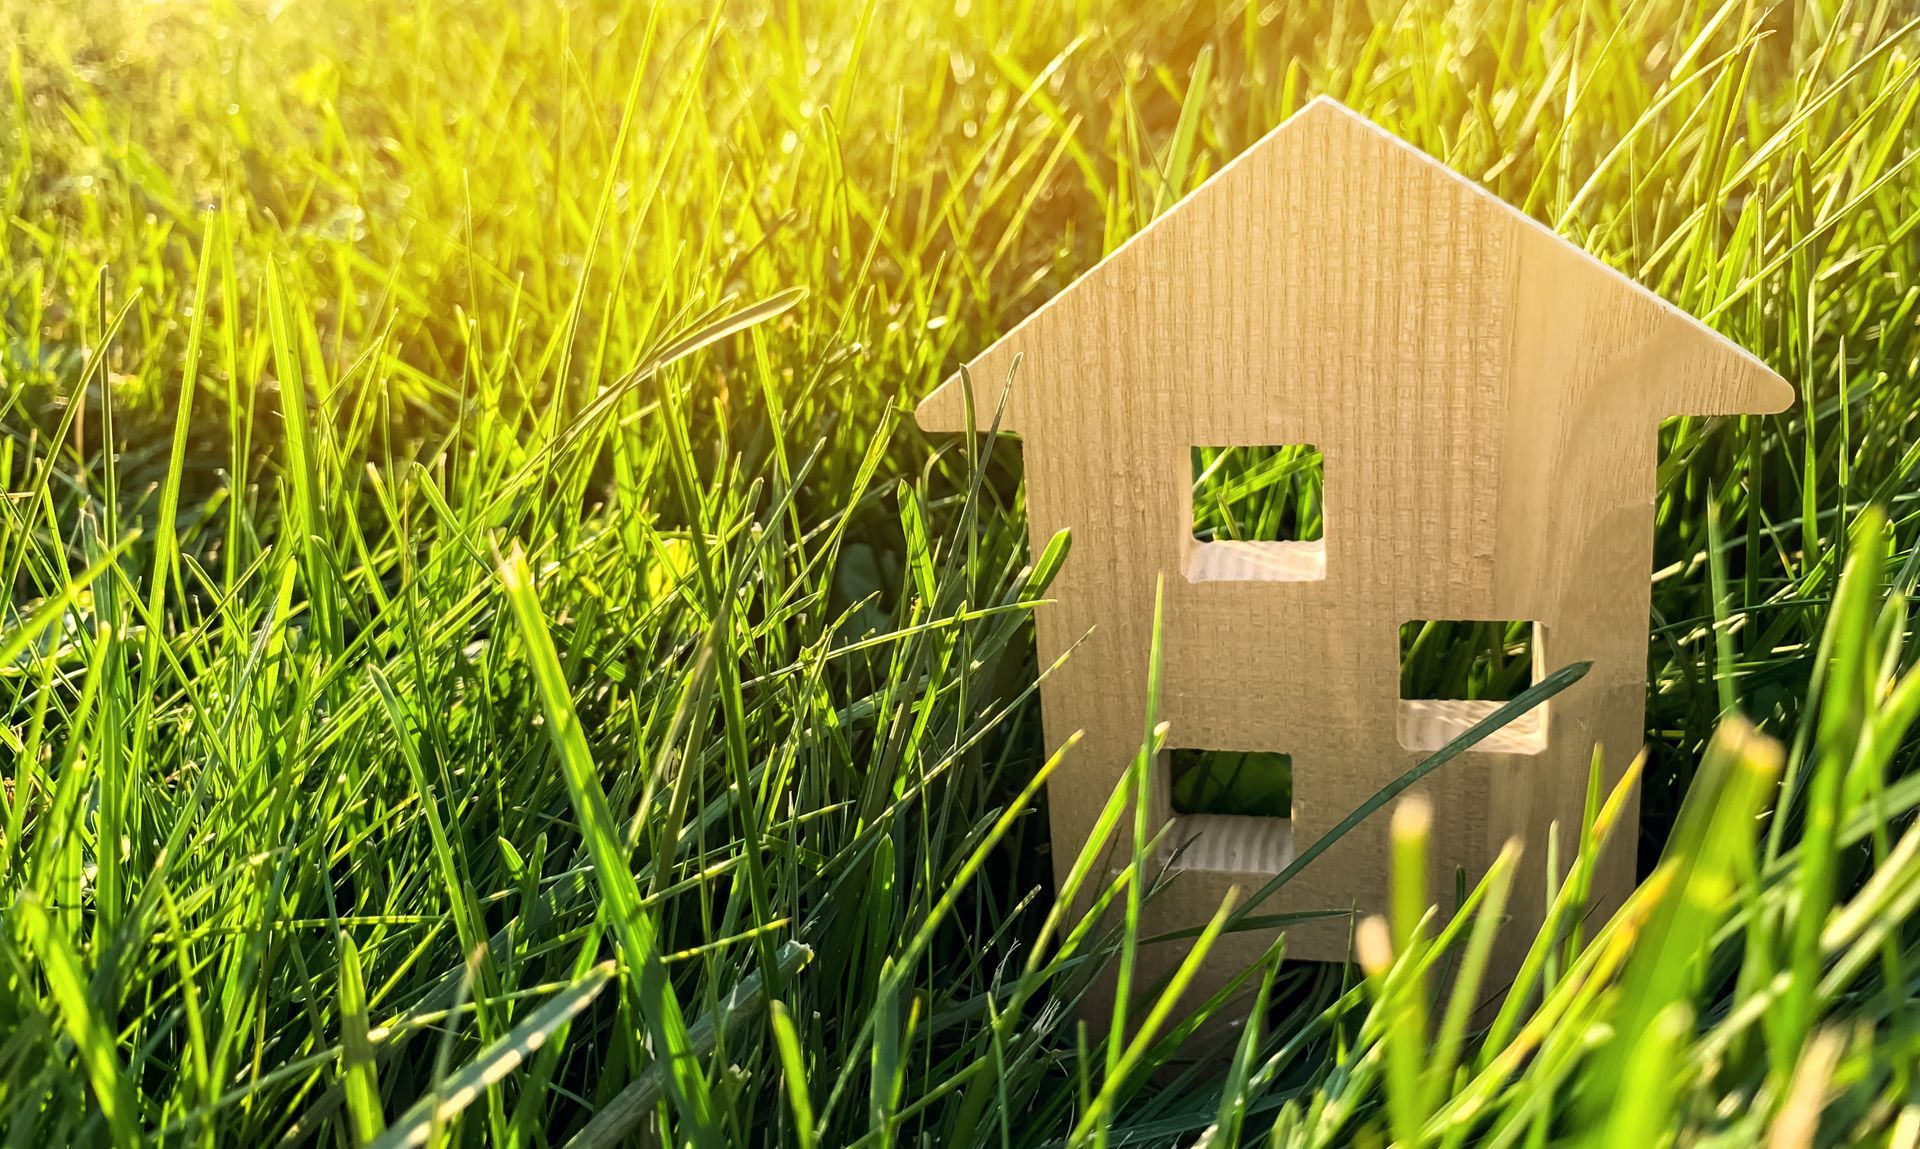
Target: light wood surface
1487,397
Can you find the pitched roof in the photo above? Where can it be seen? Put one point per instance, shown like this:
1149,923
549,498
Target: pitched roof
1703,372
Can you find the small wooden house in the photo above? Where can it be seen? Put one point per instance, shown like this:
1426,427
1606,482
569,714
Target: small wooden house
1485,398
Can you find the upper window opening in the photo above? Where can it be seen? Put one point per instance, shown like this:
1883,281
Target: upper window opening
1259,513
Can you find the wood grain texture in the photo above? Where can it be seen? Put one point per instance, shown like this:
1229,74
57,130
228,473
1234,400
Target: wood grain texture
1487,397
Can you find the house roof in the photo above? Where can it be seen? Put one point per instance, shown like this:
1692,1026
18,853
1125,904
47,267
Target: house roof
1699,371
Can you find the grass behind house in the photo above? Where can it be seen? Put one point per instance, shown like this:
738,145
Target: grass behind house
485,659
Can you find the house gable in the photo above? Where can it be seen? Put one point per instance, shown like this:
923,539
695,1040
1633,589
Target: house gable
1298,187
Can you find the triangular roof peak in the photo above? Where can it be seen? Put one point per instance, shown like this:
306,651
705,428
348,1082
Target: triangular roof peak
1699,371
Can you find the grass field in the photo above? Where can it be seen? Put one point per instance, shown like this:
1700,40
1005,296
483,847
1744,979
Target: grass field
485,660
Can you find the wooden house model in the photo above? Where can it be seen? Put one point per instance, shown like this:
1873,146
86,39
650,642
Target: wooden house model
1485,398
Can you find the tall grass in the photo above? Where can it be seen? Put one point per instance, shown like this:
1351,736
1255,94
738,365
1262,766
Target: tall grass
484,661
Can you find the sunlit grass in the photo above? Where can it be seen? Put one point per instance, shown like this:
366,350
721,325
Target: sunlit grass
477,623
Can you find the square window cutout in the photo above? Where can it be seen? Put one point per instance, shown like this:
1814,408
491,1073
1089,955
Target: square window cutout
1253,784
1455,672
1259,513
1232,810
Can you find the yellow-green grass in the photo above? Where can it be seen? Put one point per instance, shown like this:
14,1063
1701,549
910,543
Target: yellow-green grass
484,658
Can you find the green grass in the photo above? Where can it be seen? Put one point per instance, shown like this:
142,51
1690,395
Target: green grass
1259,493
485,659
1455,658
1231,782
